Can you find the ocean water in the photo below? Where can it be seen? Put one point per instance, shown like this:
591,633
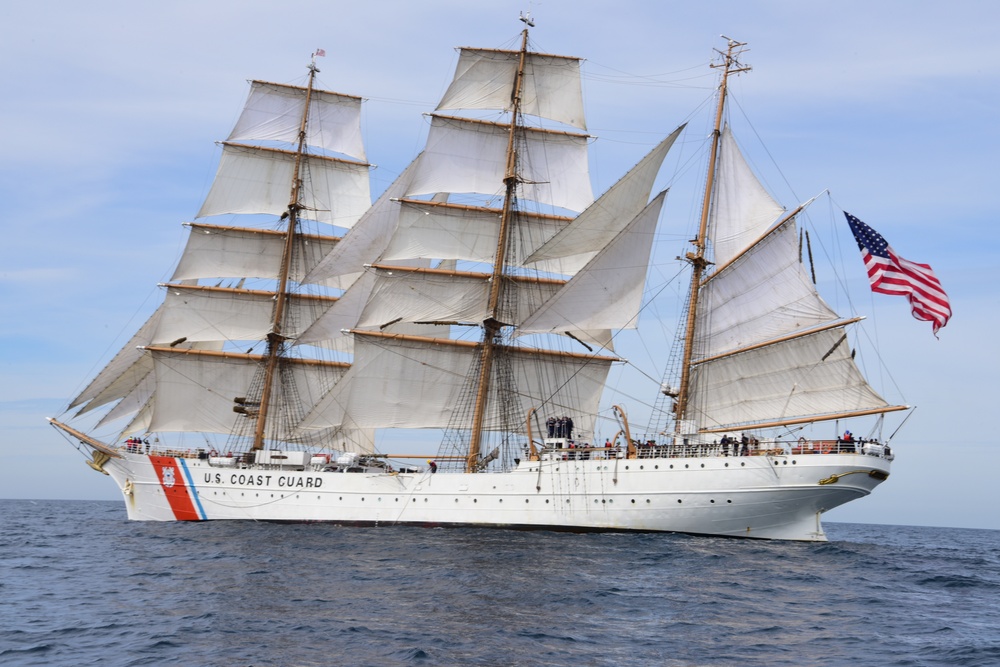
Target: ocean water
81,585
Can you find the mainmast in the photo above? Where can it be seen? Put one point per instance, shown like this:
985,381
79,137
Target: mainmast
729,65
275,338
492,325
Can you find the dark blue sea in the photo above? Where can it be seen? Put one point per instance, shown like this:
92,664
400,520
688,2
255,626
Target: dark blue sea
81,585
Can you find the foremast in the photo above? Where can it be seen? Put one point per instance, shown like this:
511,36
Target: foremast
492,325
275,339
729,65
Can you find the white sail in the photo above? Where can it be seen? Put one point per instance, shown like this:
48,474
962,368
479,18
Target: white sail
390,372
742,209
225,252
136,399
438,295
329,329
368,238
195,392
484,79
253,179
607,292
450,231
576,244
469,156
123,372
763,294
211,313
273,112
806,376
129,367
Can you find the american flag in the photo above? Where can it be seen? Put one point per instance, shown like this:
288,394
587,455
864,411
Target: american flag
321,52
889,273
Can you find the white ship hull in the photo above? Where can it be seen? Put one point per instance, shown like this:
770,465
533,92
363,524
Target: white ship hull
764,496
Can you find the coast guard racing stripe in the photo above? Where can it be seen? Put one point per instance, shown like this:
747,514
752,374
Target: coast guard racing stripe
178,488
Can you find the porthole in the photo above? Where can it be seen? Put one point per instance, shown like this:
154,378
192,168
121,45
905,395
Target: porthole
642,467
633,501
679,501
727,464
702,465
712,501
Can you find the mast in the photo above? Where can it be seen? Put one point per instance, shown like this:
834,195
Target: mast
729,65
492,325
275,339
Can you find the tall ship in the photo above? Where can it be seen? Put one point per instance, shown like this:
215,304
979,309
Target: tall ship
299,358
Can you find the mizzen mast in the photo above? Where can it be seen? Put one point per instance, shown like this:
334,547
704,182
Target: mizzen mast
275,338
729,65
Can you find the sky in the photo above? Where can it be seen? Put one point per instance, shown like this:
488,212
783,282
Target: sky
110,111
